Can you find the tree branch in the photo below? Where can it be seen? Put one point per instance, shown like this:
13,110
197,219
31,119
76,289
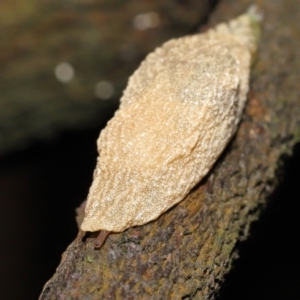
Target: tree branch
188,250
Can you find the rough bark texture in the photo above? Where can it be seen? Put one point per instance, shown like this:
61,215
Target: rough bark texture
188,250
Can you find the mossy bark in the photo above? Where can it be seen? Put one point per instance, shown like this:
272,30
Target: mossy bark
186,253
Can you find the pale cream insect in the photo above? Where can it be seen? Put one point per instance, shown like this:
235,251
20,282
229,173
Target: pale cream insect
178,113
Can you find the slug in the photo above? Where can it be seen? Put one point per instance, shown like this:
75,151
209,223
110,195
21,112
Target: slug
179,111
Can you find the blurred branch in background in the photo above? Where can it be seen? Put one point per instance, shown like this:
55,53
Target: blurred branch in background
65,63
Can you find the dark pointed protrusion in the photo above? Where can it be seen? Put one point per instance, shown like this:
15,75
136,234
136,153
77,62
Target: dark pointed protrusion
100,239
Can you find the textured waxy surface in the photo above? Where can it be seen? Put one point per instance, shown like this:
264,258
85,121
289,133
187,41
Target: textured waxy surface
179,111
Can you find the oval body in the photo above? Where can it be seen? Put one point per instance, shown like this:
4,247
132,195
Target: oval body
178,113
